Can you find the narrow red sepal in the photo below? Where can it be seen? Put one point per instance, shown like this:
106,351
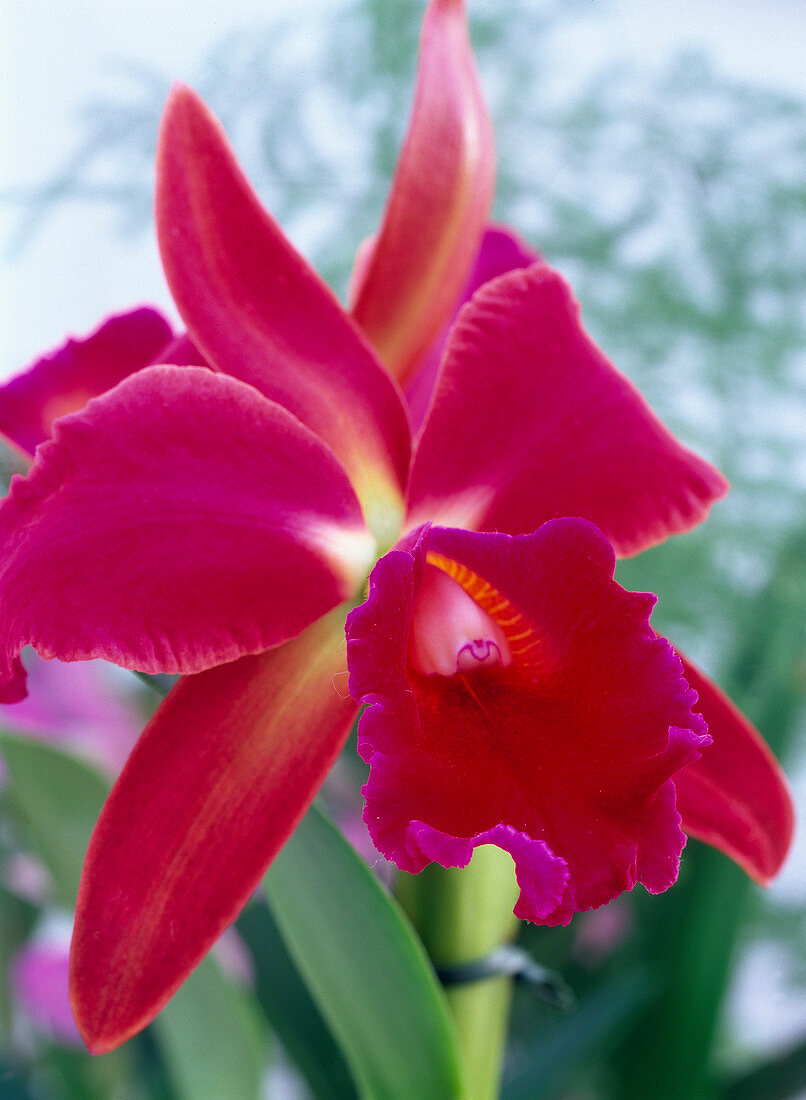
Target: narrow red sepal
735,796
212,790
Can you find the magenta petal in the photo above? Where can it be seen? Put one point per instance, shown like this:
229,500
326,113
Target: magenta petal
181,352
736,797
542,876
439,202
64,380
258,312
501,250
530,421
179,521
564,752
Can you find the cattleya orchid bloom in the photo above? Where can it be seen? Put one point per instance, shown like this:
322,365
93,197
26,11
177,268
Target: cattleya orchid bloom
217,512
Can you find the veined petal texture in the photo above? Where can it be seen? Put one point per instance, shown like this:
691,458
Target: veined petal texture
64,380
178,521
501,250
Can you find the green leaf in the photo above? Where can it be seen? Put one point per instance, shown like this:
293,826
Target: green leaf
209,1030
17,918
290,1009
364,966
59,798
211,1038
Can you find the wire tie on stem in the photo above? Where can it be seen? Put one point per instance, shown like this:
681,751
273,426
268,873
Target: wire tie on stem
513,962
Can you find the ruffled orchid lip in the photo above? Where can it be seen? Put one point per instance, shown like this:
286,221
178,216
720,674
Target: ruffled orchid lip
564,753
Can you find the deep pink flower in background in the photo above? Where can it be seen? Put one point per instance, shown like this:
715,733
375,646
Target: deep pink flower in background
220,520
82,707
39,980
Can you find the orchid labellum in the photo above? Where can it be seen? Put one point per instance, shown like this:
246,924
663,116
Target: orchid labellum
216,509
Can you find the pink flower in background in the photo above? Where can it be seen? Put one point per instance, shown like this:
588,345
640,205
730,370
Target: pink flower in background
219,520
89,708
39,980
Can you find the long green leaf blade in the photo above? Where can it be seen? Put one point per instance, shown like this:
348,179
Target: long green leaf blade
290,1009
364,967
211,1038
59,798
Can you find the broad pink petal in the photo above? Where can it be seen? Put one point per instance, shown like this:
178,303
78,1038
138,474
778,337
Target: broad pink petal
64,380
439,203
212,790
565,753
179,521
501,250
736,797
530,421
258,312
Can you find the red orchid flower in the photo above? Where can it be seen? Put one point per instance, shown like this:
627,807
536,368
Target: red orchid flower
219,519
519,697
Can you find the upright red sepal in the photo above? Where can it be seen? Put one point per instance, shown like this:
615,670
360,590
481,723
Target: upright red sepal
439,203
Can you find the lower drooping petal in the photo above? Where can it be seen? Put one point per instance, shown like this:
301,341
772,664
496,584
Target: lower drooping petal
736,796
212,790
564,752
64,380
179,521
530,421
